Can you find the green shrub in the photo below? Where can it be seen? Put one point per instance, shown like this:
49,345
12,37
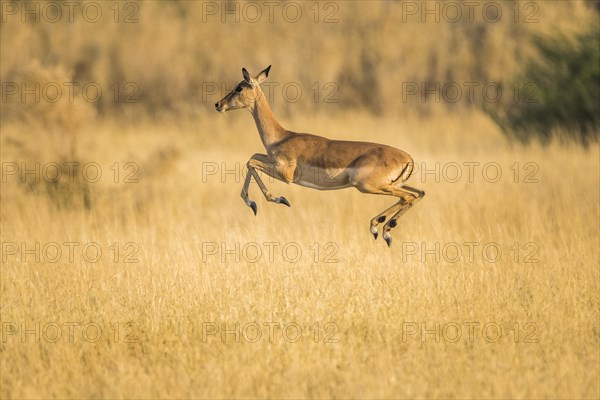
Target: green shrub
564,93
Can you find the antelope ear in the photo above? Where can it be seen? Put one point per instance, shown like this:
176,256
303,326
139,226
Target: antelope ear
246,75
263,74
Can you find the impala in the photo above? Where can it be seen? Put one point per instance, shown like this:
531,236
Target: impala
320,163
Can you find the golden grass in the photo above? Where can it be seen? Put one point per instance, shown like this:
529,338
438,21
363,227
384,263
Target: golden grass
372,297
179,247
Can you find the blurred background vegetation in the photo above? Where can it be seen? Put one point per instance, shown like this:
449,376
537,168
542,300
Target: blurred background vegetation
163,60
568,90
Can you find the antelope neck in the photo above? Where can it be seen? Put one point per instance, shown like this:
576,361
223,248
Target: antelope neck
269,129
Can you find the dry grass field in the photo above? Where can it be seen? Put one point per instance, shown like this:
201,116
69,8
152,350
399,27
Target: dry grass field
131,267
198,260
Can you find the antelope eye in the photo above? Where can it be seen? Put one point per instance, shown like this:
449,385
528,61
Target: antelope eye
238,89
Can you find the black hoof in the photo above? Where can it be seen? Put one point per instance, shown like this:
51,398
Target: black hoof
375,234
393,223
253,207
388,240
381,219
283,200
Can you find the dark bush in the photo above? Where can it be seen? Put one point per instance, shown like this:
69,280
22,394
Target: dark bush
562,91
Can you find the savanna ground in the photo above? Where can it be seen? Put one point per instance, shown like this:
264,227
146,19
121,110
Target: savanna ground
155,280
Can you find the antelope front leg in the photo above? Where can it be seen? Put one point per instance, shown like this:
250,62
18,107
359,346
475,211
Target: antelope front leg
262,163
244,193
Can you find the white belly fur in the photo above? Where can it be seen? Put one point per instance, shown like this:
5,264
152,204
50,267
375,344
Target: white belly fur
320,187
323,179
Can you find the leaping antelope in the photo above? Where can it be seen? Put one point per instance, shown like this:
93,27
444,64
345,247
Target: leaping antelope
320,163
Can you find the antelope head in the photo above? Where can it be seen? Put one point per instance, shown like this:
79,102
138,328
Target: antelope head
245,93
